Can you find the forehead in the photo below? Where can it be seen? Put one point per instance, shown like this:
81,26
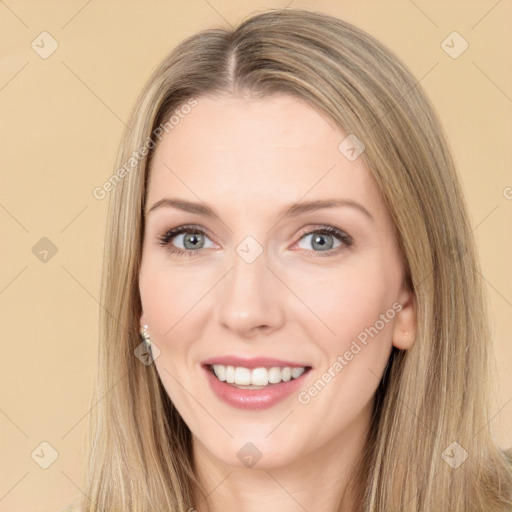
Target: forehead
283,115
256,152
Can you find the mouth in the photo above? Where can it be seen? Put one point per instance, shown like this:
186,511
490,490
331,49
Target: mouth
256,378
256,382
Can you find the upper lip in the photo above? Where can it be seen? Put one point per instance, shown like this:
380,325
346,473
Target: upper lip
252,362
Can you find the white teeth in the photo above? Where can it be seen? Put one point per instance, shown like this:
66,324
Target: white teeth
230,374
220,371
274,375
297,372
258,376
242,376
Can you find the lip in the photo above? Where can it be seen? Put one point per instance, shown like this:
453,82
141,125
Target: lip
252,362
253,399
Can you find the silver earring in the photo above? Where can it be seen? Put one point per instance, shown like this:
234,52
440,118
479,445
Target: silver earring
145,336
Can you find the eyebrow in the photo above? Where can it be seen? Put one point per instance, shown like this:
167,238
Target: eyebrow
289,211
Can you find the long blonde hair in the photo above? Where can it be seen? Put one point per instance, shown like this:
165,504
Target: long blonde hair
435,394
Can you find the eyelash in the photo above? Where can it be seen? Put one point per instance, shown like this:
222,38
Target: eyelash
166,238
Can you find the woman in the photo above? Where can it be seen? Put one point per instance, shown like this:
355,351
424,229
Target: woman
287,232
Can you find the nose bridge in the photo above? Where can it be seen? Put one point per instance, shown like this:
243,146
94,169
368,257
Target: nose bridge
249,297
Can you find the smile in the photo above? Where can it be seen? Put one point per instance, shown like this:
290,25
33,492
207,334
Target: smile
254,388
255,378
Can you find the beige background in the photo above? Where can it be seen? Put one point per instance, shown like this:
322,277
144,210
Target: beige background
61,124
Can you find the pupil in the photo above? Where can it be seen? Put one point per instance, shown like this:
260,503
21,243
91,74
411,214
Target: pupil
319,240
193,239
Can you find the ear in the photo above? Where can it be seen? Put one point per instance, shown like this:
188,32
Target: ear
404,330
142,319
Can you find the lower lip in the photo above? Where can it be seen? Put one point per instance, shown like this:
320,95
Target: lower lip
253,398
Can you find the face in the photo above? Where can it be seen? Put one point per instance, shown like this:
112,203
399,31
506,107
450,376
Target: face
309,296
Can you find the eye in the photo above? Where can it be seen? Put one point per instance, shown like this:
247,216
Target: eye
324,240
192,239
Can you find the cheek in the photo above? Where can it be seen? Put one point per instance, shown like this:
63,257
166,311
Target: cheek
351,299
170,298
356,305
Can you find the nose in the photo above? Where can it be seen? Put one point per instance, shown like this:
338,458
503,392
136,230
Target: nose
250,298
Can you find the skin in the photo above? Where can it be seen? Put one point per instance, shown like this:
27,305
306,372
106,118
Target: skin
248,159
